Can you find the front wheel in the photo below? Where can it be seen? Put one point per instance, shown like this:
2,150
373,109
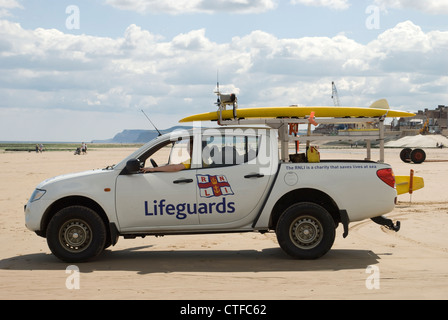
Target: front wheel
76,234
305,231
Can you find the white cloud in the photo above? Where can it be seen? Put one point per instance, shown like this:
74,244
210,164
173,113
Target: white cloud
10,4
429,6
57,75
155,6
332,4
308,56
193,41
6,5
406,36
406,48
176,7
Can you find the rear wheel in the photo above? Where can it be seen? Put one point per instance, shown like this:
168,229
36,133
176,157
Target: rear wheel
306,231
76,234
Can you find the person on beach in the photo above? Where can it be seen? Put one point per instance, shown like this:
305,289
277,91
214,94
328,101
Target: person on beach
84,148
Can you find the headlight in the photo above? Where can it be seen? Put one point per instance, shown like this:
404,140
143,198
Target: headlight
37,194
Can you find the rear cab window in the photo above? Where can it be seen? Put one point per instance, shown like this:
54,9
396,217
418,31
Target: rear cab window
228,150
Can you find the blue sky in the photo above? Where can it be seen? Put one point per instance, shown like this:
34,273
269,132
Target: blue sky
83,70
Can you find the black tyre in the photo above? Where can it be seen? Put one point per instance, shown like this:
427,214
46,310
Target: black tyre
418,156
405,155
305,231
76,234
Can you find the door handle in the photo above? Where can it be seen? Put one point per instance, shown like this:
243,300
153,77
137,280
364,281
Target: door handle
183,181
254,175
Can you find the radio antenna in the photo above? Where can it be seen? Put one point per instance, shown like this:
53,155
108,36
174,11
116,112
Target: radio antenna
218,101
151,122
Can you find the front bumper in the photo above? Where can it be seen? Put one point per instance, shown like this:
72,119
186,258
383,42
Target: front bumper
34,211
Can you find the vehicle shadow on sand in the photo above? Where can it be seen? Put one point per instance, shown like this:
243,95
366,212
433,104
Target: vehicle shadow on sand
143,260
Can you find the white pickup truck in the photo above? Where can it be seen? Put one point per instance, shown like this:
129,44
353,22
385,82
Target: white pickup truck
235,180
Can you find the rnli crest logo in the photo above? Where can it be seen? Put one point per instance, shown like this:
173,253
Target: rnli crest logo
213,186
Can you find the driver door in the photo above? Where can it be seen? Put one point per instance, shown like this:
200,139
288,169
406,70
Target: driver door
146,201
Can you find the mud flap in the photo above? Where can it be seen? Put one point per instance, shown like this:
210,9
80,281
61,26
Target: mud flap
345,221
114,234
388,223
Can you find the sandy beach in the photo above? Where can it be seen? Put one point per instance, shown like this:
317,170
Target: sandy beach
410,264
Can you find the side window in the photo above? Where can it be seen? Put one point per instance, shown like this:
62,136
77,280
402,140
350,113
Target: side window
180,151
169,152
218,151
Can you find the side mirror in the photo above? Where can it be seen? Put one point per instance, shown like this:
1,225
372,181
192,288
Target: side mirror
133,166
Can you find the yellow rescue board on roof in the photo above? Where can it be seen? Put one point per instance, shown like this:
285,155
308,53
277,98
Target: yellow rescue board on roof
403,184
299,112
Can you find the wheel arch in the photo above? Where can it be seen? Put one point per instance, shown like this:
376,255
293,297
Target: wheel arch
71,201
304,195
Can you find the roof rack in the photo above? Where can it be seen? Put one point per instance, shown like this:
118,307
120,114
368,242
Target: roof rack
287,125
